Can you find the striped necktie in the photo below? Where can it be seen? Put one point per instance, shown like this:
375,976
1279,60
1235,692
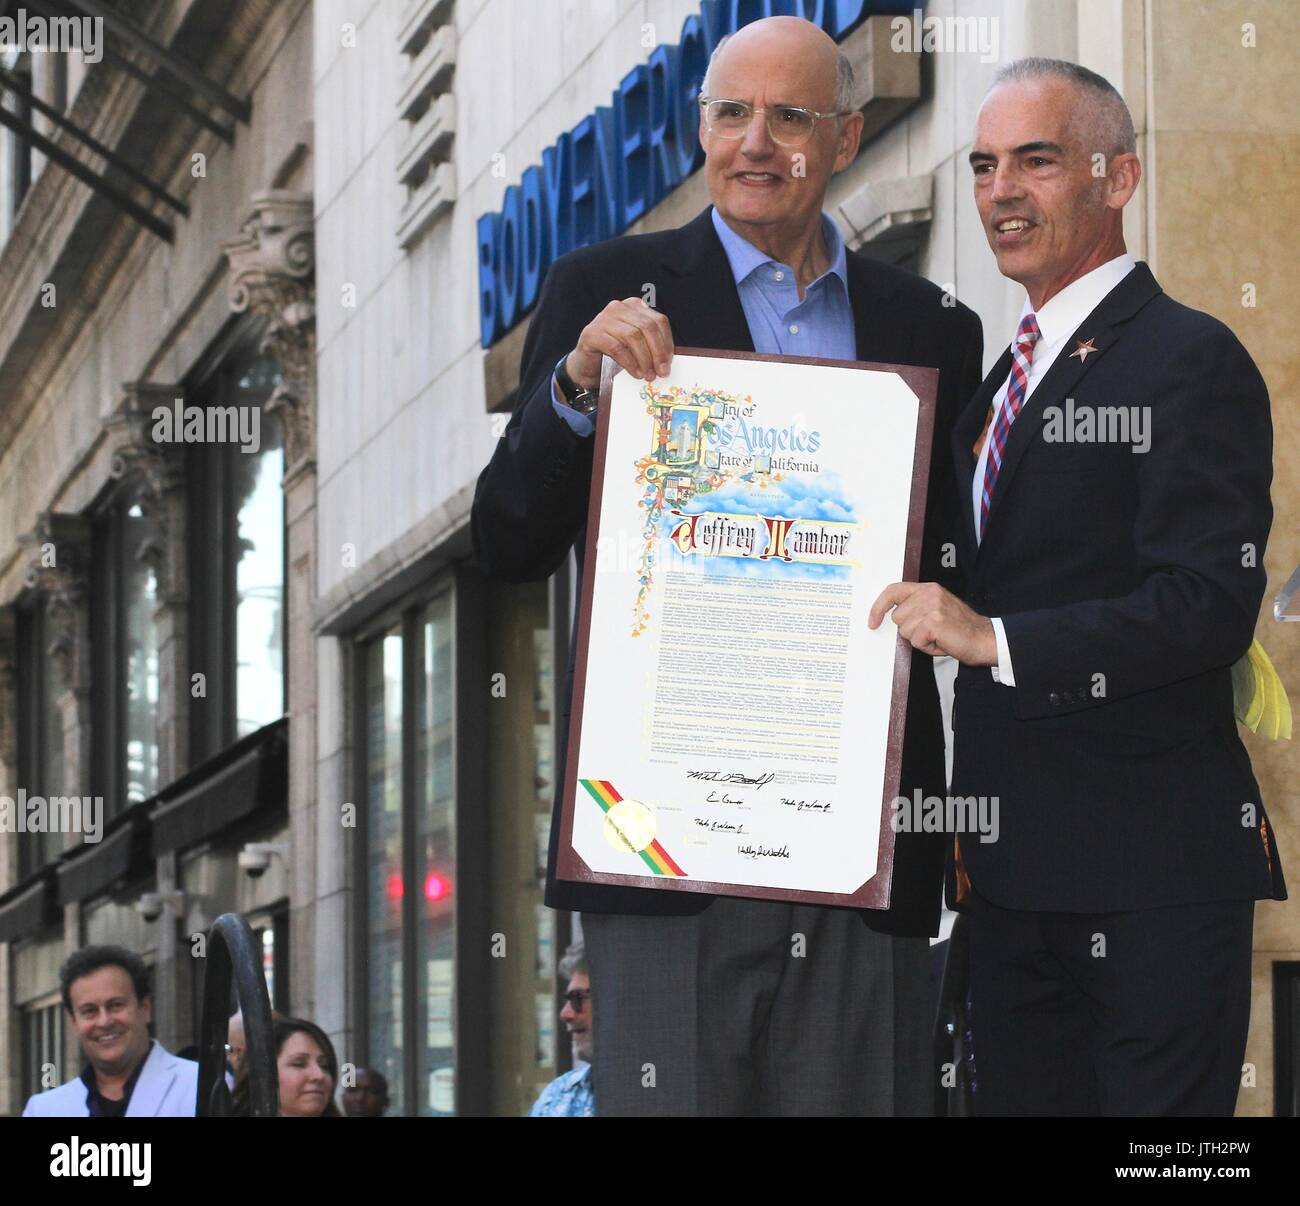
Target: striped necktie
1022,356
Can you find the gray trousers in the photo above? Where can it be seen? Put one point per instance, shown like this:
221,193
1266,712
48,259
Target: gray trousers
754,1007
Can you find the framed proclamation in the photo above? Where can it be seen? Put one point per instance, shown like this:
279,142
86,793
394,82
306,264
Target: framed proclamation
736,727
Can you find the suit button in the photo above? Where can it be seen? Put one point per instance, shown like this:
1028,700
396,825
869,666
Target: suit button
1054,700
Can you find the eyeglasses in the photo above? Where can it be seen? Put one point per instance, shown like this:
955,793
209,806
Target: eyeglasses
577,997
788,125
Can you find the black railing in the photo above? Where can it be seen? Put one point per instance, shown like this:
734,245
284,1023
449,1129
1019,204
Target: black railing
233,958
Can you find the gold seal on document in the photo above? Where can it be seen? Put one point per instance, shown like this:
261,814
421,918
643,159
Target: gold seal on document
629,825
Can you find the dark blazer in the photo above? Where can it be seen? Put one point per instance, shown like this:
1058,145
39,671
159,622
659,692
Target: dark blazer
1128,584
530,506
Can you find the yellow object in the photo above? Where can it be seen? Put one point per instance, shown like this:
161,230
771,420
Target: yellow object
1258,696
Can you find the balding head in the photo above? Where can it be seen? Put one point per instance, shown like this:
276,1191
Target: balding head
795,39
771,192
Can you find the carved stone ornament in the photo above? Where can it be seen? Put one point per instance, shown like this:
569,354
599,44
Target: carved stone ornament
58,567
158,471
272,266
136,454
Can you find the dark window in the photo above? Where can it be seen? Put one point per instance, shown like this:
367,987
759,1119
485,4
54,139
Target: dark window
272,938
20,148
237,559
454,698
40,730
385,878
42,1040
125,642
522,646
407,694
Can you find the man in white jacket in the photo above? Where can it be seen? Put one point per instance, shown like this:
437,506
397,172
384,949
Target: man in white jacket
106,993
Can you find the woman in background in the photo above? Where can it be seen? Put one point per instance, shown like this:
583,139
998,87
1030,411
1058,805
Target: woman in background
308,1072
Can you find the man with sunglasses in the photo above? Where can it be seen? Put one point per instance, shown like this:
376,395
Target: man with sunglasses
569,1094
720,1005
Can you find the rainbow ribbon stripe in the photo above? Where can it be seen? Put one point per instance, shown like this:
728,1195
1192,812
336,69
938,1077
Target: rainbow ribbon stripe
654,855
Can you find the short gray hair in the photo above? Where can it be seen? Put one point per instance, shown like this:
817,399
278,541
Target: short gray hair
574,962
844,77
1104,114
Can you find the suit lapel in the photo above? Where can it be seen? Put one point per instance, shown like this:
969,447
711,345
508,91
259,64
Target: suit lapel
878,330
155,1079
1068,369
708,313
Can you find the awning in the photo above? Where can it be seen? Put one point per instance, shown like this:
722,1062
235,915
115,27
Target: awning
250,777
122,855
171,83
27,911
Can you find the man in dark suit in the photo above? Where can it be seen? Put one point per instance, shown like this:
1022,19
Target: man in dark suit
702,1009
1115,471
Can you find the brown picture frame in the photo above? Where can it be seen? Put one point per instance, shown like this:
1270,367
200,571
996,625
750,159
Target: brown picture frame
874,893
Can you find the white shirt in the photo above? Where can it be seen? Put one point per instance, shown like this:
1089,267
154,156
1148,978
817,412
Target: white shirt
1058,319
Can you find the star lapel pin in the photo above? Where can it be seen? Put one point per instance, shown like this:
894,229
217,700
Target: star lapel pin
1082,351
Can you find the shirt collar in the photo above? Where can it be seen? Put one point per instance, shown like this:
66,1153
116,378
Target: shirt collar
575,1076
1064,313
744,257
88,1077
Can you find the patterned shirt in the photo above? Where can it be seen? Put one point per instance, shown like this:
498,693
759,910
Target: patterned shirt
567,1096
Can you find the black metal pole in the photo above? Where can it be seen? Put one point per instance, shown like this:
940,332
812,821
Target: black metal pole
115,160
74,166
166,59
234,957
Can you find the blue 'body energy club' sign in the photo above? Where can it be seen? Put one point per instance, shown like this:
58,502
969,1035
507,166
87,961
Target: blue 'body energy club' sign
617,163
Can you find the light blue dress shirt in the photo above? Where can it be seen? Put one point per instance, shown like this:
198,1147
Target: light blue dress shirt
779,323
567,1096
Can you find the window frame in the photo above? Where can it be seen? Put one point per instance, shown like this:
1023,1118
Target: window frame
469,778
21,151
31,624
211,568
108,644
51,1006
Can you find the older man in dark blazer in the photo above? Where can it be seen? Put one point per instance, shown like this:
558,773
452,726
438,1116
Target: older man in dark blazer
701,1007
1114,470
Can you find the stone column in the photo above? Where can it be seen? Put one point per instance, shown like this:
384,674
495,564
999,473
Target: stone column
10,1056
272,266
58,568
158,473
9,705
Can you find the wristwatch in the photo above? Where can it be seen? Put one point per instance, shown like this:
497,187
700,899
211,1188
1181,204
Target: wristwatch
584,401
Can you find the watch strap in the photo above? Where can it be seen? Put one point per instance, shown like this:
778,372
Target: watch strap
582,400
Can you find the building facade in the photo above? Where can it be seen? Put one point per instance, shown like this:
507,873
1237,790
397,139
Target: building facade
289,653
